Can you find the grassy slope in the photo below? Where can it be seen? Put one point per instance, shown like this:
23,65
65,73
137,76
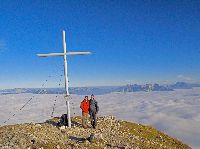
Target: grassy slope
114,134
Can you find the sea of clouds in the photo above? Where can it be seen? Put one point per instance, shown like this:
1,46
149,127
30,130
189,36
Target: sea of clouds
176,113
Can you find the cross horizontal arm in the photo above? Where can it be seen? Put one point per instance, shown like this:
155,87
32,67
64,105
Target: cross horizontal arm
78,53
51,54
62,54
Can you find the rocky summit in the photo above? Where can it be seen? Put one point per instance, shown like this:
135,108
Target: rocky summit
110,133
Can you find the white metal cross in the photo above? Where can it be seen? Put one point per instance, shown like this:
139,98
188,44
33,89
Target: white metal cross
65,70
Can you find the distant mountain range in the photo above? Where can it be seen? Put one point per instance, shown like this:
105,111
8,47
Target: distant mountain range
102,90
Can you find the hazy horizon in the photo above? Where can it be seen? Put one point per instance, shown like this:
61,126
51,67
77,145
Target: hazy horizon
102,85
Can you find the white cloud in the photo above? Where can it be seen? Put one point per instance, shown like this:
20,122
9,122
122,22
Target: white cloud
185,78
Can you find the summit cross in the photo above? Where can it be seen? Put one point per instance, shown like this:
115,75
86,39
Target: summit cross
65,54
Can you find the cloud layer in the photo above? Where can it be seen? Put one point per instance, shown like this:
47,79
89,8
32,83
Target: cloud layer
176,113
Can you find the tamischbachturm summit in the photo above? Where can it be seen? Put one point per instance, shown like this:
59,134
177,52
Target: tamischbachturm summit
110,133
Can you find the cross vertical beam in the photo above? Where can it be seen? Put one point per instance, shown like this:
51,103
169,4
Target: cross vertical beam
65,66
66,81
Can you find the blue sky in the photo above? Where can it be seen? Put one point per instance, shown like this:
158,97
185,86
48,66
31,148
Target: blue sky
133,41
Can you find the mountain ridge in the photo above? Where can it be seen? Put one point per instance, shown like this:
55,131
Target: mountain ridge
103,89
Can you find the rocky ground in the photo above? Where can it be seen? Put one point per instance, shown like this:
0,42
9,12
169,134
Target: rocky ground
110,133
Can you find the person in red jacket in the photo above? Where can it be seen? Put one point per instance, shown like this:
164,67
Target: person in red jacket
85,104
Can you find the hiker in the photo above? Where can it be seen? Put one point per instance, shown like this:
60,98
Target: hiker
85,109
94,108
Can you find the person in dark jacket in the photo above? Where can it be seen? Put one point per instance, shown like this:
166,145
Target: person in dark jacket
93,110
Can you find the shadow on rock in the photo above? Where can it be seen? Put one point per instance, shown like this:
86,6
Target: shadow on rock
79,140
62,121
76,124
55,121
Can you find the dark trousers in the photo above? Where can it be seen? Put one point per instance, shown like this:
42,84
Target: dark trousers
93,117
